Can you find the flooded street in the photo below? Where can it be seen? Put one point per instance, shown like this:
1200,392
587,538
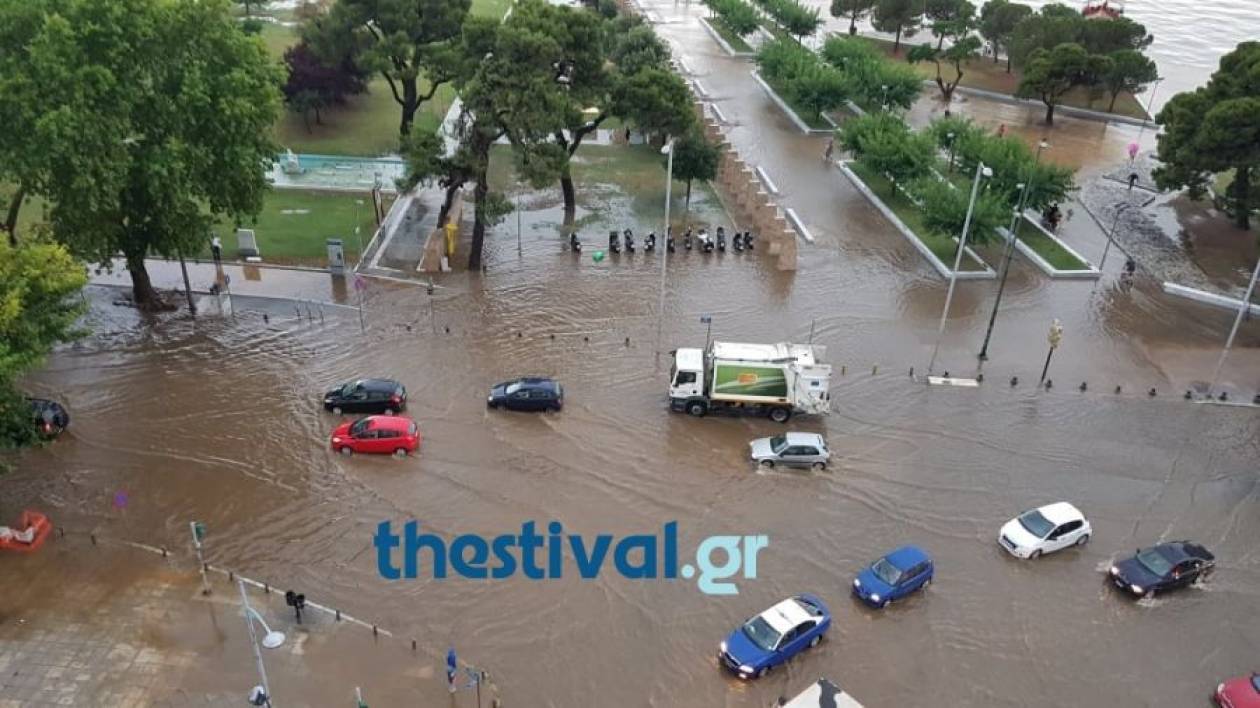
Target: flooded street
221,421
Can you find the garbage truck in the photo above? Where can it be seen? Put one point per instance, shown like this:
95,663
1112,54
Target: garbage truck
775,380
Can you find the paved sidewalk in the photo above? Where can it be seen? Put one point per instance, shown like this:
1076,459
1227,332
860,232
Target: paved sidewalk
111,625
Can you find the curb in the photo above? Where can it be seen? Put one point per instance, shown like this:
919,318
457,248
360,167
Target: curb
801,124
1073,111
987,274
1207,298
726,46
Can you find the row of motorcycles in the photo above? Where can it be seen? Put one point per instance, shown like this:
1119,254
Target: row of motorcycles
702,240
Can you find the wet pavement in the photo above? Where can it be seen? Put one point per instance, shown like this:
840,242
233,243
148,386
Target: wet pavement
219,421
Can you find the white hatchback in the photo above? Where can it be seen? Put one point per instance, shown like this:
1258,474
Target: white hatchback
1045,530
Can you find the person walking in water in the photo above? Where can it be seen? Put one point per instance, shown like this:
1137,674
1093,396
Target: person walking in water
831,148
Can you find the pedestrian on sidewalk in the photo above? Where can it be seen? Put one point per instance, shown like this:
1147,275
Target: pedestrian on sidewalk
831,148
216,249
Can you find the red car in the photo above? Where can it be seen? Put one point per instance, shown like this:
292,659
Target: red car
1241,692
387,434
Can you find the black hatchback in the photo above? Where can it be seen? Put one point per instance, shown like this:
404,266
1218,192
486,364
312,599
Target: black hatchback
367,396
527,394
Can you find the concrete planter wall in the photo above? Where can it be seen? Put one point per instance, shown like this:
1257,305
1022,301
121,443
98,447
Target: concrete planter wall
791,114
945,271
1088,273
717,37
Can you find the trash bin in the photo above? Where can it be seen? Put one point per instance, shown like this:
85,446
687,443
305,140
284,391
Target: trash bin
336,257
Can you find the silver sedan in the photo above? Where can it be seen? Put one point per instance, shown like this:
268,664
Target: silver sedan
797,449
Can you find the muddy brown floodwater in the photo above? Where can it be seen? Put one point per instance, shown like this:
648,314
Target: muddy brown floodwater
221,422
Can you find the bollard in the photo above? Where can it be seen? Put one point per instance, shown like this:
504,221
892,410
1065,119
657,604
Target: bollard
231,577
844,370
946,375
1083,387
1117,390
337,614
1256,401
627,341
266,318
1014,381
1224,396
1189,395
413,645
912,372
373,630
518,335
321,314
61,531
447,328
585,338
93,539
553,336
163,551
1151,393
298,310
266,589
980,378
875,370
1049,383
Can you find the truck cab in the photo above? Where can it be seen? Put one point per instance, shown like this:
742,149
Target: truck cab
686,377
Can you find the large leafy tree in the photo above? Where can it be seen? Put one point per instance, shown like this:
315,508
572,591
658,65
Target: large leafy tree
654,100
1051,74
900,17
315,83
1216,128
410,43
950,19
958,53
872,79
885,144
820,88
38,280
1129,70
998,19
854,10
694,158
1056,24
183,103
945,210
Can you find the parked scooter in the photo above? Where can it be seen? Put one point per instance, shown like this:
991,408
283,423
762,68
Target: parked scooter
629,238
705,241
687,240
737,242
614,242
721,239
669,243
575,244
748,240
649,242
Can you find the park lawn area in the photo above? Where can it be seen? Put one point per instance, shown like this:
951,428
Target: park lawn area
294,224
366,126
943,247
1223,181
982,73
490,8
815,122
1047,248
737,42
278,38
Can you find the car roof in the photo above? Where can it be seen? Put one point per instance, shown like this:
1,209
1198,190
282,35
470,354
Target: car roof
806,439
907,556
539,381
1177,551
1060,513
378,384
786,615
388,422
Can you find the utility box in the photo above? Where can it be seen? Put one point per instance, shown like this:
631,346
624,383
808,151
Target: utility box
246,243
336,257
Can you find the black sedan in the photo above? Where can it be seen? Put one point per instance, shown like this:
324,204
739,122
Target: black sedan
527,394
1164,567
367,396
50,417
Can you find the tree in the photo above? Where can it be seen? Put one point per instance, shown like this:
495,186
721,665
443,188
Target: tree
37,310
738,16
250,4
852,9
820,88
640,48
872,80
945,210
950,18
314,85
183,103
1130,70
1113,35
1050,74
998,19
1046,29
694,158
654,100
800,21
960,51
405,41
898,16
885,144
1213,129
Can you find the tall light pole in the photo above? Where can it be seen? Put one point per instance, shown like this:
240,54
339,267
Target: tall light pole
272,641
981,171
1150,101
1242,310
1054,337
669,181
1009,254
358,207
1111,236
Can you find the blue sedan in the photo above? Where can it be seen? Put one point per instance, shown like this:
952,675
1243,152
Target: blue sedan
894,576
774,636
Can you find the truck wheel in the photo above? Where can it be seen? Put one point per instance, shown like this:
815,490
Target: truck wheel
780,415
697,408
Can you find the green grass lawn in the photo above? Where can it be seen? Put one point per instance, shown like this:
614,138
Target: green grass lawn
737,42
943,247
278,38
490,8
1047,248
294,224
806,114
982,73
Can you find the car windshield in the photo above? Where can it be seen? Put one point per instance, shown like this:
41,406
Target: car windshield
348,388
359,426
1255,682
1036,524
886,571
761,633
512,387
1155,562
777,443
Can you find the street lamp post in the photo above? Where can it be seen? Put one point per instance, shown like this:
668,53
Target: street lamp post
1150,101
1242,310
1009,253
1111,235
669,181
981,171
951,138
884,89
272,640
1053,337
358,208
